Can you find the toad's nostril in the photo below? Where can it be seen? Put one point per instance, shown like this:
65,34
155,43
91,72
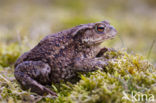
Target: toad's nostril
112,28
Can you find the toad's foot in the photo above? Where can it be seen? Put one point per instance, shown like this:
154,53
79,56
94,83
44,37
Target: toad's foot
104,50
89,64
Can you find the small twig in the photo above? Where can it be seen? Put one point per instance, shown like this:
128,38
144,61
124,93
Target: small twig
150,49
4,78
123,44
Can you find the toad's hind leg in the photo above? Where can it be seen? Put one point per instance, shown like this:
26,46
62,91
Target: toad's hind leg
32,75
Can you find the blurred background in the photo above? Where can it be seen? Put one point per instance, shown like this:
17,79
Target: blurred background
25,22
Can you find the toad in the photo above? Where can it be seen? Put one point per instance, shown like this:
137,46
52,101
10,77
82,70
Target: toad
61,56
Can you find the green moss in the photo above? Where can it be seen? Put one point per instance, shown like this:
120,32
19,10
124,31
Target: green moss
125,73
9,54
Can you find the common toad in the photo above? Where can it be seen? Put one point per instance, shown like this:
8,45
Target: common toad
59,57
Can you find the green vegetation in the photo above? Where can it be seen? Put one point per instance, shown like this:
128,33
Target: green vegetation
125,73
8,54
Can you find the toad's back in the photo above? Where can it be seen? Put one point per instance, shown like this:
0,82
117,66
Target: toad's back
51,49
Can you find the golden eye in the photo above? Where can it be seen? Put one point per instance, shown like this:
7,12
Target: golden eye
100,28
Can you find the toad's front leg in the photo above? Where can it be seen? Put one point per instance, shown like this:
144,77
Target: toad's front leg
104,50
89,64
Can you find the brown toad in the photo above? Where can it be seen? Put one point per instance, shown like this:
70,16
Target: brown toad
59,57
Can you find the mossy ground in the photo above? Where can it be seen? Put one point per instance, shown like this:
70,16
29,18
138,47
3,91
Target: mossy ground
126,72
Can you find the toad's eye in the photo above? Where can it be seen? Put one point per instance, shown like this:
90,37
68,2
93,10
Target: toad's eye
100,28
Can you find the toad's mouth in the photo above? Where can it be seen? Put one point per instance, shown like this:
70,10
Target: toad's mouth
93,41
97,41
101,40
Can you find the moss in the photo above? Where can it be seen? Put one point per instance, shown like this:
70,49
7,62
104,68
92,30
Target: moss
125,73
9,54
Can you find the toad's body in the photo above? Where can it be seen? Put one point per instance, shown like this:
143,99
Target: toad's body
60,56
